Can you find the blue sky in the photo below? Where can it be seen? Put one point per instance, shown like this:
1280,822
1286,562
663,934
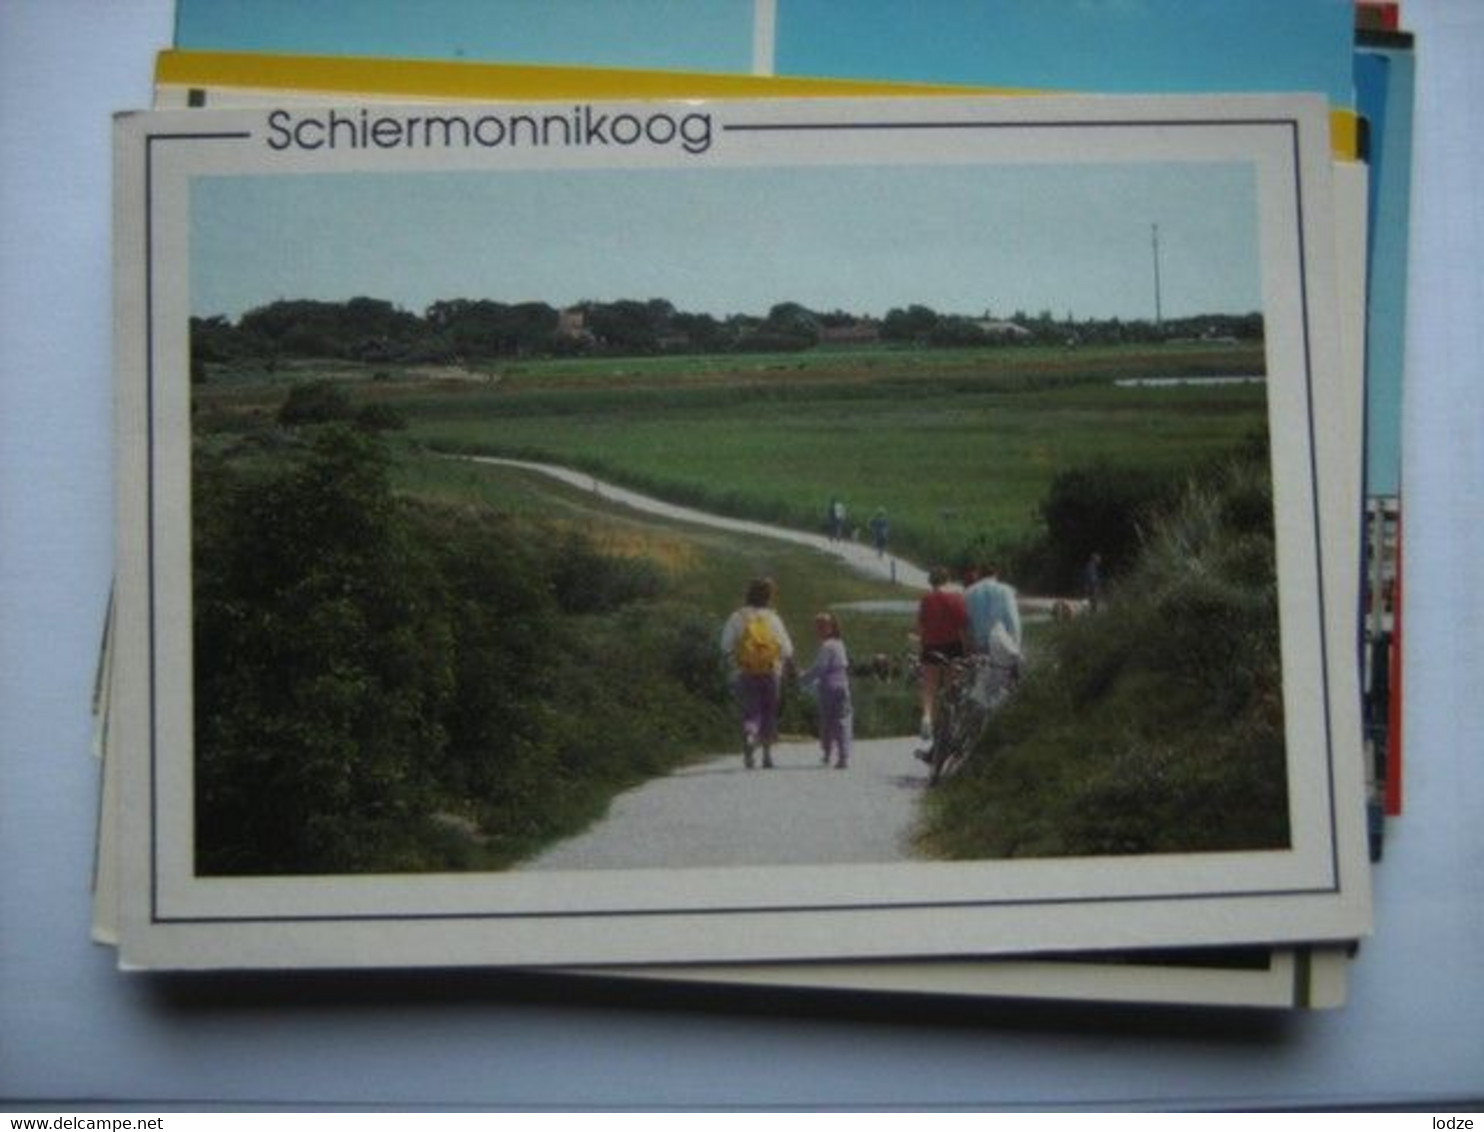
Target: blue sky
1072,239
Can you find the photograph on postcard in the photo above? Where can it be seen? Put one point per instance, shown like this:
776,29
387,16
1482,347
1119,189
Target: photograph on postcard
412,654
686,509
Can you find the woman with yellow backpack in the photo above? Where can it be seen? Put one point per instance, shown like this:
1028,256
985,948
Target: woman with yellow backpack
758,650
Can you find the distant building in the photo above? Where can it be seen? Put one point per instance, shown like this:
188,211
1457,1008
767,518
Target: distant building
861,333
572,325
1002,329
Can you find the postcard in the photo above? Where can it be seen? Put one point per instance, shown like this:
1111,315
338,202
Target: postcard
1158,46
1250,978
371,690
1288,977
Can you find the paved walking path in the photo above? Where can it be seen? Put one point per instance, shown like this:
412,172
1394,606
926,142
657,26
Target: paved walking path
857,555
716,813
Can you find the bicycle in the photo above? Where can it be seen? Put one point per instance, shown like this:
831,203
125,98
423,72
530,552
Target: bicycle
974,688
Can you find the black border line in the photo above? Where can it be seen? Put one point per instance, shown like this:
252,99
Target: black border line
1335,887
1329,736
990,124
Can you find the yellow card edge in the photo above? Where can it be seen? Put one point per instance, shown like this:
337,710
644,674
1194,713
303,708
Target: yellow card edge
427,78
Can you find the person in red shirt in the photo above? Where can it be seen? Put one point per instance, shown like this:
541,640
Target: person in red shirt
942,628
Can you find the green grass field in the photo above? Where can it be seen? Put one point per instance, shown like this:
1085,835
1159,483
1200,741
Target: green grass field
949,469
958,446
881,362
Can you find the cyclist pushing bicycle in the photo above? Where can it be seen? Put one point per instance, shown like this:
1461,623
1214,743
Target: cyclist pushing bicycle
943,631
969,683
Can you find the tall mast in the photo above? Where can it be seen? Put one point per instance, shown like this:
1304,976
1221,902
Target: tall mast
1158,309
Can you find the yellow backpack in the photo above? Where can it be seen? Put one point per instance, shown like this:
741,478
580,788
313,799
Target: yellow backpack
758,648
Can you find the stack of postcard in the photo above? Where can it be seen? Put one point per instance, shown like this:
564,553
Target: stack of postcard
706,527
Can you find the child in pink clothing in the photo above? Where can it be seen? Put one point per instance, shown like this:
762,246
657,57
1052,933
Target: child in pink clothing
829,675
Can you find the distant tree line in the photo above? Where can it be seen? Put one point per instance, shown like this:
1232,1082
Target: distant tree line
477,330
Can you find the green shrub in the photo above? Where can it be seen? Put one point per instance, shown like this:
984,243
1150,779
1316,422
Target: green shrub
1156,725
584,580
1100,507
378,416
320,666
314,402
503,625
384,685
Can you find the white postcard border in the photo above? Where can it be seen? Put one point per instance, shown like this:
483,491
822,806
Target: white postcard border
1311,892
